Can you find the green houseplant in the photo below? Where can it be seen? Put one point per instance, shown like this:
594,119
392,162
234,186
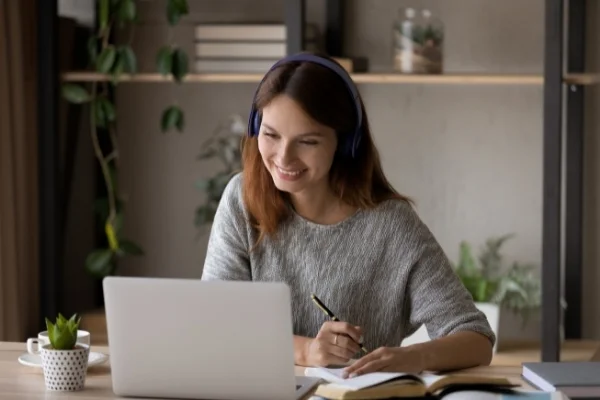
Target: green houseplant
489,280
224,146
64,361
112,59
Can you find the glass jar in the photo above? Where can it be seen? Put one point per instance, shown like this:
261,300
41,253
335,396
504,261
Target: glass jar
431,43
403,45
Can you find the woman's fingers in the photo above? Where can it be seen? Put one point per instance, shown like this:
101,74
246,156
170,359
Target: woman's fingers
344,328
348,344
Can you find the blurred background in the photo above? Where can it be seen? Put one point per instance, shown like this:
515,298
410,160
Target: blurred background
121,119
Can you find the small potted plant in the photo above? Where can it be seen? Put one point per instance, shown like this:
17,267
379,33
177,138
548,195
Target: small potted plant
495,285
64,361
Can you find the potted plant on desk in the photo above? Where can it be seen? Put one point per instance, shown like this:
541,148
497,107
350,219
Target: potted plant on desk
495,286
64,361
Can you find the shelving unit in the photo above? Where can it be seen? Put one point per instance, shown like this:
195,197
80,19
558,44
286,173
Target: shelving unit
554,81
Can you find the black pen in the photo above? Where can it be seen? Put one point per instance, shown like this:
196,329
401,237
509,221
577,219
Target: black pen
328,312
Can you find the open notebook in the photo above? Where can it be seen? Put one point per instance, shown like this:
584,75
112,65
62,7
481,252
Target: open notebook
382,385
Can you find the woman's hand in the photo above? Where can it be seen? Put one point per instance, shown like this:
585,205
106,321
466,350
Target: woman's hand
335,343
386,359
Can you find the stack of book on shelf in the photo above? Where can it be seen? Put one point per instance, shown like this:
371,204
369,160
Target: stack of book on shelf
244,47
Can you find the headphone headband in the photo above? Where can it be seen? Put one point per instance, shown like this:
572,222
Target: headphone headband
352,144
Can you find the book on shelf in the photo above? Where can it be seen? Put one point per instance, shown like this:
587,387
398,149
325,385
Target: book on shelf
253,32
384,385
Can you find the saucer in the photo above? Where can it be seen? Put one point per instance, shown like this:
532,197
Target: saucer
32,360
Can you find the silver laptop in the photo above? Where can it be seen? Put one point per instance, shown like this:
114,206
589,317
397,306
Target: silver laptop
180,338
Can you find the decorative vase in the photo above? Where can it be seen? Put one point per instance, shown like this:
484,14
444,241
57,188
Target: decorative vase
65,370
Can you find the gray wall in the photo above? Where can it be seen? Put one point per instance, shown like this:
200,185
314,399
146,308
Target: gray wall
471,156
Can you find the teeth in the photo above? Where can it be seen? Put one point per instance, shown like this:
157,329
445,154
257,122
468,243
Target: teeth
290,173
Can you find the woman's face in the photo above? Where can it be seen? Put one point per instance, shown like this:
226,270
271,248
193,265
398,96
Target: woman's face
297,150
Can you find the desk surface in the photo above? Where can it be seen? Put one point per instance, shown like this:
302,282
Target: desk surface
22,382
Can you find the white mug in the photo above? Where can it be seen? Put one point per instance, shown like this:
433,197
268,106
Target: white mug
34,345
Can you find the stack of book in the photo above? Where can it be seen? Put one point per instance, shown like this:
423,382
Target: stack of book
244,48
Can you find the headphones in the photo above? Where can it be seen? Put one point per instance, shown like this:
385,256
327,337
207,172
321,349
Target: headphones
351,144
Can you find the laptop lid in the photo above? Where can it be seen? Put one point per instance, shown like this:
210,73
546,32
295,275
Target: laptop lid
200,339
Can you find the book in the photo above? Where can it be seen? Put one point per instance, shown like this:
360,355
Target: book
383,385
574,378
249,32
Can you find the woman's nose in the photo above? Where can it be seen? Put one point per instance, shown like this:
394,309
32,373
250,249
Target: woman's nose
286,153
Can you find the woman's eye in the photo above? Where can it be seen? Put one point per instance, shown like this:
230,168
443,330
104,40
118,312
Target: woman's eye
309,142
269,134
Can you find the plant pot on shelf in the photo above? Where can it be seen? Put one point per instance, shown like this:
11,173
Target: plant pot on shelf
64,370
492,314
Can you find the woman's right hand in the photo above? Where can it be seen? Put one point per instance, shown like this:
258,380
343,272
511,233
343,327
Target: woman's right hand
335,343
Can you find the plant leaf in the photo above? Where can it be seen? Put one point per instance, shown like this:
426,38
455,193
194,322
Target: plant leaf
129,59
127,10
92,48
164,60
171,118
117,68
130,248
98,262
99,113
175,10
75,93
106,59
179,66
108,109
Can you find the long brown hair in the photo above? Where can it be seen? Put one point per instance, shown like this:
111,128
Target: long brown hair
358,181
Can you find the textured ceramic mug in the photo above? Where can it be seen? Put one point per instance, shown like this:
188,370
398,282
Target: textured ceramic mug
64,370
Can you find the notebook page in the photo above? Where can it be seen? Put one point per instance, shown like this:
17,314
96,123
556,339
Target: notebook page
334,375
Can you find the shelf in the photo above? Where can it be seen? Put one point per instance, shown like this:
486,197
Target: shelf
358,78
457,79
582,79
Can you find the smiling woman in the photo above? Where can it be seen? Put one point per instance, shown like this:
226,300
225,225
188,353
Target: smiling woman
313,208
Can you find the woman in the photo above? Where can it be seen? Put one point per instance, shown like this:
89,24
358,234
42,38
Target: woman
312,208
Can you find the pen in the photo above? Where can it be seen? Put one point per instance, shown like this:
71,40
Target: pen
328,312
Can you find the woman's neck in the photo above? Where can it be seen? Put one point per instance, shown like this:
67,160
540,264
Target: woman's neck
321,207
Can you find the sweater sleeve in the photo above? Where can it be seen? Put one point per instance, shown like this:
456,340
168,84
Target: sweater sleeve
227,252
437,297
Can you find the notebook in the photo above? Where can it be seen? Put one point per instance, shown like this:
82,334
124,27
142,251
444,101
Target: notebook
574,378
383,385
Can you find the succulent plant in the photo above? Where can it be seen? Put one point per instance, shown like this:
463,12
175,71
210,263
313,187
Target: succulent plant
63,333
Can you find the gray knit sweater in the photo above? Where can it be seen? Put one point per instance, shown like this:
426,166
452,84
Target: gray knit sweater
381,269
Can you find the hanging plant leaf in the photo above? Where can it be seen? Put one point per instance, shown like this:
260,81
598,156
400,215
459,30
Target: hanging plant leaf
164,60
180,123
127,247
127,10
171,118
180,64
99,262
92,49
99,113
117,68
108,109
75,93
106,59
129,59
175,10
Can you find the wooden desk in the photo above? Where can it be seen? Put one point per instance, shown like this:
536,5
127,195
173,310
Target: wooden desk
22,382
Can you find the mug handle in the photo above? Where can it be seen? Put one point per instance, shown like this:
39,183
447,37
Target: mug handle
33,346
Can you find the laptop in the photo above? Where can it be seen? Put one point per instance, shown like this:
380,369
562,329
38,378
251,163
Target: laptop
193,339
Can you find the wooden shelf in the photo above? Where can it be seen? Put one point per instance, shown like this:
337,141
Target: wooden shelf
456,79
582,79
358,78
